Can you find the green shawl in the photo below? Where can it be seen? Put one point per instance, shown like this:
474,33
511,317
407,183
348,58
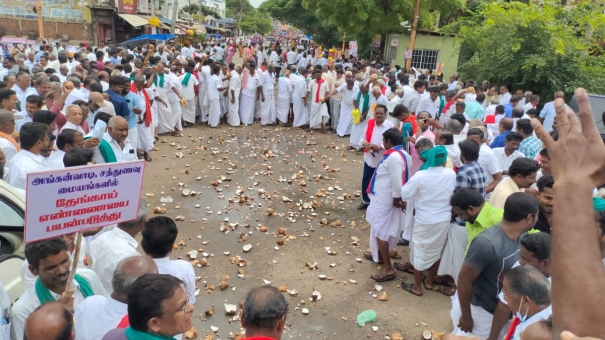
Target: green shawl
133,334
107,152
45,296
160,81
366,101
433,157
186,79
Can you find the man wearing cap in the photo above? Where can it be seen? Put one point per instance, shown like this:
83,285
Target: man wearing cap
97,104
8,144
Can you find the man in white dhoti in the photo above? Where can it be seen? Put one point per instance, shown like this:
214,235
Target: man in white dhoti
284,90
225,77
144,119
204,74
349,93
188,82
165,115
319,92
430,191
266,91
215,86
336,98
235,86
362,103
299,93
385,213
250,82
175,98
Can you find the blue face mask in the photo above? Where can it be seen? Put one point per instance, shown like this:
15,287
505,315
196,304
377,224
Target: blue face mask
518,314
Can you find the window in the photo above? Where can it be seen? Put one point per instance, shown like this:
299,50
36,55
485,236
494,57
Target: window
425,59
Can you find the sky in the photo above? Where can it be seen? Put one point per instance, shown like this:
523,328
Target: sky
256,3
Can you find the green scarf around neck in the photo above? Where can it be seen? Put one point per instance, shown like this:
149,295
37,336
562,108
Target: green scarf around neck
366,101
433,157
598,204
186,79
160,82
133,334
45,296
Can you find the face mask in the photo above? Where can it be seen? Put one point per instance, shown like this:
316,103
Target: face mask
518,314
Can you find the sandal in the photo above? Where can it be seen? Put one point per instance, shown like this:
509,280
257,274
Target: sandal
426,287
408,288
382,277
368,256
404,267
363,206
446,290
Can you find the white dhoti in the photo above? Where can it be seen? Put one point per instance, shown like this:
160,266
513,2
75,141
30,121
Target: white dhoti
319,115
203,103
408,222
177,113
267,115
165,115
246,109
224,103
233,113
453,253
335,109
426,245
300,112
214,116
257,109
385,224
154,114
345,122
133,137
482,321
145,137
283,109
357,132
188,111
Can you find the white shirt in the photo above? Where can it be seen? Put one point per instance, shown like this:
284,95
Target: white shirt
274,59
22,95
22,164
489,162
97,315
430,190
303,62
252,85
185,52
452,86
55,161
284,88
373,160
91,56
291,57
188,91
8,149
235,85
19,122
172,80
76,94
428,105
543,315
122,155
28,301
214,83
388,179
267,81
506,161
180,269
260,55
72,126
109,249
505,98
411,99
105,85
348,96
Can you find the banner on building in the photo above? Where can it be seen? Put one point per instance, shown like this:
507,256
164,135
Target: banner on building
439,68
144,6
69,200
128,6
353,47
376,41
408,54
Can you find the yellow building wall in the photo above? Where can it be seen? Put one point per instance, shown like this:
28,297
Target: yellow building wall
70,11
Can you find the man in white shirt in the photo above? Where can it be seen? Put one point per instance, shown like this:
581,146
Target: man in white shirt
77,93
430,103
29,62
49,261
284,91
33,138
215,86
292,57
235,86
113,246
220,54
159,235
185,51
174,91
115,142
453,83
98,315
32,104
505,94
74,119
250,83
22,87
373,149
188,83
8,145
267,96
487,159
507,154
67,139
412,98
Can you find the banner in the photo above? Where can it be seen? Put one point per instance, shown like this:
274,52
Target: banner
352,48
376,41
69,200
127,6
144,6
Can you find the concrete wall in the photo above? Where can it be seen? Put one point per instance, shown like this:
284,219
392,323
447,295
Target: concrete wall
449,48
52,29
52,10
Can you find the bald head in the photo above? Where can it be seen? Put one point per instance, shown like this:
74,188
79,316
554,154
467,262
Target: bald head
127,272
50,321
116,121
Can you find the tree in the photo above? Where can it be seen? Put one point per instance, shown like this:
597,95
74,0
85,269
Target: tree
538,47
191,9
294,13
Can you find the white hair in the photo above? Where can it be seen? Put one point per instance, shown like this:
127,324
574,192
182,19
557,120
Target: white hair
73,106
376,90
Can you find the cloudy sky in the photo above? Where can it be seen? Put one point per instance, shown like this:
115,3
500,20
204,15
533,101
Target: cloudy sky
256,3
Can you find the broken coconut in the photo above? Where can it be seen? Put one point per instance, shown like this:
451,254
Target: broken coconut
230,309
247,248
186,192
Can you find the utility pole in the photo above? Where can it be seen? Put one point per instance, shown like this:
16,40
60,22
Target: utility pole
344,37
40,26
154,30
175,9
408,62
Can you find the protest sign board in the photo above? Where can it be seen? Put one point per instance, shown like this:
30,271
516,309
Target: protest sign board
69,200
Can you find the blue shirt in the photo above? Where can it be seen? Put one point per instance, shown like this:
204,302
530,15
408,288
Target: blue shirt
132,100
500,140
38,55
508,110
548,114
119,103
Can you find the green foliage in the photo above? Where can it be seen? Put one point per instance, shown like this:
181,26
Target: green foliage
538,47
194,9
248,18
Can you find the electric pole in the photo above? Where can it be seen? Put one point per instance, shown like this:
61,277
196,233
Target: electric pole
154,30
40,26
408,62
175,9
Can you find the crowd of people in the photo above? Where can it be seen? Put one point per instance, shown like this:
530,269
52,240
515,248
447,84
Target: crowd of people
463,173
